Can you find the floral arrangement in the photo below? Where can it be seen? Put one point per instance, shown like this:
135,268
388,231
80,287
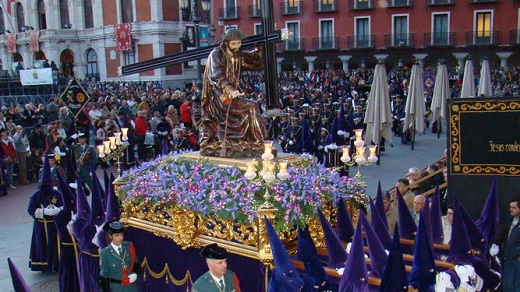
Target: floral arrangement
226,193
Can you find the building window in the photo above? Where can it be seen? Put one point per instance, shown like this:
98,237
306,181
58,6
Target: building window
483,29
129,56
293,7
362,32
64,13
258,29
127,15
92,65
293,43
361,4
400,37
440,30
88,13
400,3
326,34
230,9
42,19
326,5
257,8
20,20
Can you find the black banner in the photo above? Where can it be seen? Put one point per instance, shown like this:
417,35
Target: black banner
75,97
484,137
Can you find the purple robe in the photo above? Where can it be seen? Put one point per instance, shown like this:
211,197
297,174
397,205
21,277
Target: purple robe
68,271
44,243
88,259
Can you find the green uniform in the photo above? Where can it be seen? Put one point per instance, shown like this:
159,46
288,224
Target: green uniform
112,265
206,283
85,157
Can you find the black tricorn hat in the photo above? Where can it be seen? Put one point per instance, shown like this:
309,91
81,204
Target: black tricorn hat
213,251
113,227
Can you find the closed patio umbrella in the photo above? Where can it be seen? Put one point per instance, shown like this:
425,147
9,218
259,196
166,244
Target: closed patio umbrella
484,88
415,106
441,92
468,81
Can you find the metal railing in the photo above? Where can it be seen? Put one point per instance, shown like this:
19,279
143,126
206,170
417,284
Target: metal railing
229,13
325,43
482,1
361,41
482,38
400,3
439,2
293,7
439,38
361,4
325,6
514,37
399,40
296,44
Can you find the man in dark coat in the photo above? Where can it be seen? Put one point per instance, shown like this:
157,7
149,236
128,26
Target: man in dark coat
511,274
218,278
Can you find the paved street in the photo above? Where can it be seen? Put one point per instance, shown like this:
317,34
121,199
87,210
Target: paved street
16,224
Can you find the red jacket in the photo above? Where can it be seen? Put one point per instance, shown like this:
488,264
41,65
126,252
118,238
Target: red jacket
185,111
141,126
8,150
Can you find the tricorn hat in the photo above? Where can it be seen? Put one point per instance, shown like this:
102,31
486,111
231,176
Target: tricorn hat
213,251
115,227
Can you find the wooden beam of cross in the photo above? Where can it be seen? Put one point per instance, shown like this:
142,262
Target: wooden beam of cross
267,39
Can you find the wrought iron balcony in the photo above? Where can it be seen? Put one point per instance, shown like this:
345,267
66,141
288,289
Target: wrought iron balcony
439,39
482,38
361,41
229,13
325,43
514,37
399,3
439,2
482,1
291,7
361,4
325,6
399,40
254,11
296,44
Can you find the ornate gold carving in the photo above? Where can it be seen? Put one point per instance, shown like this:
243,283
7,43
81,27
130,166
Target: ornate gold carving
504,170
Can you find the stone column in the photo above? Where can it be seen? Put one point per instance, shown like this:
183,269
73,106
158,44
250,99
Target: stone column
460,59
279,64
420,58
310,60
503,58
344,59
381,57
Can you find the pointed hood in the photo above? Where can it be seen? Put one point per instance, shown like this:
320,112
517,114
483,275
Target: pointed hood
98,209
355,276
19,283
380,205
316,274
82,205
284,277
106,182
395,278
378,256
46,179
113,211
70,165
422,276
427,221
111,185
336,251
345,228
102,191
67,196
490,216
436,217
380,227
333,133
407,228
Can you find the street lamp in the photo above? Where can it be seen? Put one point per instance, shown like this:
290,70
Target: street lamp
196,19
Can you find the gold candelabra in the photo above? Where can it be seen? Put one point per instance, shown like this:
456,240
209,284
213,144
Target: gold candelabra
359,157
268,172
114,147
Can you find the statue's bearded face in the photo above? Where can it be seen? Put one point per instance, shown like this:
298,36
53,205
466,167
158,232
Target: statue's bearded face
234,45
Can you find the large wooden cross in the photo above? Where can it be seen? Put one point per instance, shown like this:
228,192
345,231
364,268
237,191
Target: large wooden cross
267,39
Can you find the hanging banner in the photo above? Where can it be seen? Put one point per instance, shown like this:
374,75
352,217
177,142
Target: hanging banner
123,36
11,43
34,43
36,76
75,97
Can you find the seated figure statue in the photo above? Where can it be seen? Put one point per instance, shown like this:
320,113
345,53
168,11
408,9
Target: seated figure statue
232,125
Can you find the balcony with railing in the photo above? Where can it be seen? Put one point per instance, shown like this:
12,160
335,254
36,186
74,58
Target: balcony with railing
325,6
399,40
514,37
325,43
439,2
482,38
254,11
439,39
361,42
482,1
399,3
291,7
361,4
291,45
229,13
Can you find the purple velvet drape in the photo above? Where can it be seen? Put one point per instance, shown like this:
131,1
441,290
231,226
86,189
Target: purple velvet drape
159,251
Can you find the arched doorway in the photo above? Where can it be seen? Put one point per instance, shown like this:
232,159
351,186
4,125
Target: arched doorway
92,65
40,60
67,63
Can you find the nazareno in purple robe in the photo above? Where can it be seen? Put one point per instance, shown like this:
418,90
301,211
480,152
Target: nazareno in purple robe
68,271
88,259
44,243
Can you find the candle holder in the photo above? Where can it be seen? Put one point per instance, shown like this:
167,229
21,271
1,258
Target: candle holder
359,156
114,147
267,173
